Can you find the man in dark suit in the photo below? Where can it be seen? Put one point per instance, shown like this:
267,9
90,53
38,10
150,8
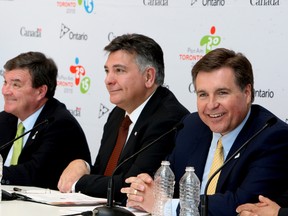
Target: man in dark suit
28,90
134,75
223,82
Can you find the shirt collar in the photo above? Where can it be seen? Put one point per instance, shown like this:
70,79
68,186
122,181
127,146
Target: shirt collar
29,122
136,113
228,139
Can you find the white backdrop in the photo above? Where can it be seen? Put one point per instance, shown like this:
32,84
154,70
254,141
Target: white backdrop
74,33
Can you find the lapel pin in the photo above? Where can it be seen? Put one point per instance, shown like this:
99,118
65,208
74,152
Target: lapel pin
35,135
237,156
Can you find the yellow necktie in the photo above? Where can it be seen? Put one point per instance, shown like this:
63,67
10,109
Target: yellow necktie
18,145
217,162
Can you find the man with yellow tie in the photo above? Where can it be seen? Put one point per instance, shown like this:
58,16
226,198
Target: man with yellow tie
225,120
38,158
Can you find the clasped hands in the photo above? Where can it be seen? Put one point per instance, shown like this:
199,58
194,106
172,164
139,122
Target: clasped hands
140,196
140,193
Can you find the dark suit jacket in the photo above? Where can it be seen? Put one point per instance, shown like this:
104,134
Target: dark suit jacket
261,168
48,150
283,212
159,115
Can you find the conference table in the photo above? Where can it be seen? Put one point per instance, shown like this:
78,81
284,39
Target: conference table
28,208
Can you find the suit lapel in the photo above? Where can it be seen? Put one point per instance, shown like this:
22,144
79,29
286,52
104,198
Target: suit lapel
201,151
246,133
148,110
48,108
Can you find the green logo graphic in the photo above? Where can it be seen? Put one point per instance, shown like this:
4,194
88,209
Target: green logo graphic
210,41
85,85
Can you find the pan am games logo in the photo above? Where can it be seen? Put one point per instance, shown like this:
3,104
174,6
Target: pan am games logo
210,41
196,53
80,77
88,5
71,5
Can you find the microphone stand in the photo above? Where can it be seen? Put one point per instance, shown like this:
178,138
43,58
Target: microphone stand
110,209
204,198
5,194
46,121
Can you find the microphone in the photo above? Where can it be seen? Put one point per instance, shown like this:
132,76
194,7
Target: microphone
46,121
204,198
6,195
110,209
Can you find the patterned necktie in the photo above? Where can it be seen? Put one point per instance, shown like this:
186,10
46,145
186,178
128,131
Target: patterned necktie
17,145
122,136
217,162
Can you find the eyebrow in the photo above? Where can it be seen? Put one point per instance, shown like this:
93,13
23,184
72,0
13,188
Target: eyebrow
117,66
217,90
15,80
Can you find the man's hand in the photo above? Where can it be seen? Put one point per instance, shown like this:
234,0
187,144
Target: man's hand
140,193
73,172
265,207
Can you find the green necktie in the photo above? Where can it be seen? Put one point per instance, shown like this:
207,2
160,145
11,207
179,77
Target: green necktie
18,145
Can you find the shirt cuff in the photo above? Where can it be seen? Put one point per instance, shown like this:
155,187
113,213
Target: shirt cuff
73,189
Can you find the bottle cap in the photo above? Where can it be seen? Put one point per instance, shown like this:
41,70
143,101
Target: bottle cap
165,163
190,168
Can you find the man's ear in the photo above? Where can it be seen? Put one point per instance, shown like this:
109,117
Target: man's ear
42,90
150,76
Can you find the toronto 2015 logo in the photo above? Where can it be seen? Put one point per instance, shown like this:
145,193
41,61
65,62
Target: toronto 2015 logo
210,41
80,77
71,6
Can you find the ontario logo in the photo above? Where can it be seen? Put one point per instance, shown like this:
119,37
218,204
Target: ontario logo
210,41
80,78
102,110
193,2
65,30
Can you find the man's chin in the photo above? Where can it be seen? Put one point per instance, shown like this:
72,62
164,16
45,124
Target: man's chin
8,109
114,101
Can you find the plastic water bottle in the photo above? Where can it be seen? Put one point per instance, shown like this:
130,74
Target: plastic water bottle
189,193
164,180
1,173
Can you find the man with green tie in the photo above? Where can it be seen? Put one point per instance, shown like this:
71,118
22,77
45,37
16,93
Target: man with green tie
38,158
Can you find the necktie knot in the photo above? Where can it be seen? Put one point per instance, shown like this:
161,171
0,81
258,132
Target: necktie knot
220,144
20,129
126,122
